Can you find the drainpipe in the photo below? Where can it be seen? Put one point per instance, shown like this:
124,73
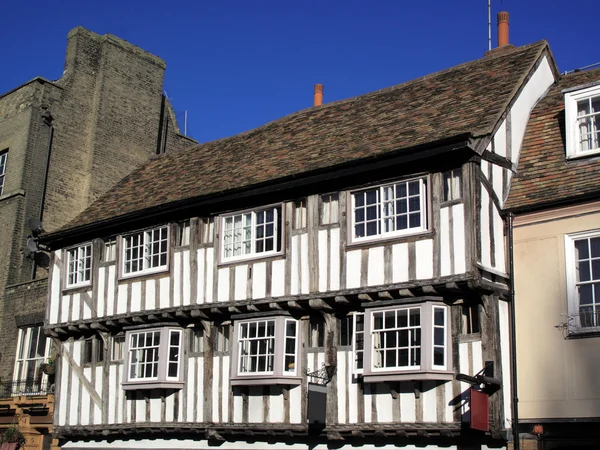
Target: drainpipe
47,118
513,337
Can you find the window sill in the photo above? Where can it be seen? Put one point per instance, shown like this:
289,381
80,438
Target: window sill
265,380
442,375
154,384
586,154
144,275
252,258
416,236
583,333
80,288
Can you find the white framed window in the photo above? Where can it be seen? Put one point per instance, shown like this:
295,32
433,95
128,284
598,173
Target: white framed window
145,251
582,258
582,121
32,352
452,185
299,214
251,234
118,346
404,342
266,351
110,249
330,206
153,358
3,159
79,265
358,341
390,210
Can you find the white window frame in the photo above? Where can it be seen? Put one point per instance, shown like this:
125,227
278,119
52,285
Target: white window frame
571,121
163,356
278,231
574,318
3,162
424,211
283,369
24,361
145,246
79,265
423,369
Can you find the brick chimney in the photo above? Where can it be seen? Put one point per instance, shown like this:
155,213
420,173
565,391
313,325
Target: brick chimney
502,29
318,97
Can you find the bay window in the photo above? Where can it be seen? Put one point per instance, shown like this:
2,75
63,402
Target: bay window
250,234
404,342
390,210
266,351
153,359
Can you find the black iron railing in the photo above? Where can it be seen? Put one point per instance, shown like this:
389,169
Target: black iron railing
25,387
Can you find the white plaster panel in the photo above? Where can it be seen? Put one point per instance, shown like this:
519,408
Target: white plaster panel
459,251
200,389
99,383
150,294
342,386
304,287
477,356
424,253
497,173
240,282
385,404
87,312
85,399
375,273
295,280
223,290
121,299
210,259
259,280
238,405
499,248
323,250
225,376
429,402
176,274
353,263
334,268
400,263
278,278
56,294
75,312
155,408
276,412
448,396
504,373
500,140
407,406
112,399
255,404
445,255
170,407
110,290
485,229
165,298
136,296
101,293
187,285
295,399
200,276
215,392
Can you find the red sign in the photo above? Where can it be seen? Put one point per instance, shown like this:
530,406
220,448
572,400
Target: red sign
480,410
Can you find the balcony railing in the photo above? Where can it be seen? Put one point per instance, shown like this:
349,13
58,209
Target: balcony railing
25,387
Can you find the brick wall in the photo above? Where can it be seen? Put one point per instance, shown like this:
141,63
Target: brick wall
106,115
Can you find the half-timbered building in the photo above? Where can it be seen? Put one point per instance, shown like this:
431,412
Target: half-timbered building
335,278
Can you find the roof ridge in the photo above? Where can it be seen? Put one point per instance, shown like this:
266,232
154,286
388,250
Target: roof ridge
325,106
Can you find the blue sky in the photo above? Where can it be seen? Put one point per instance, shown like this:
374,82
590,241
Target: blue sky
235,65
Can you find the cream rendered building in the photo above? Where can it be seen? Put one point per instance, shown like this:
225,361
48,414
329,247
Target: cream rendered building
556,200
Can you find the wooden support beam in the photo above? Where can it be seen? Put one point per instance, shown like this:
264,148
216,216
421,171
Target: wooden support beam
428,289
167,316
453,287
84,327
198,314
73,329
153,318
385,295
98,326
215,310
293,304
124,321
357,433
60,330
181,314
334,436
405,293
252,307
212,434
365,297
341,299
274,305
138,320
51,333
111,324
317,303
235,310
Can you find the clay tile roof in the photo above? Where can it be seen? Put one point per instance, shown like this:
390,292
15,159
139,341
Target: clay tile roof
466,99
544,176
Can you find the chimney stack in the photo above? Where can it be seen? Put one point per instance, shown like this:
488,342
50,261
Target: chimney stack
318,98
502,29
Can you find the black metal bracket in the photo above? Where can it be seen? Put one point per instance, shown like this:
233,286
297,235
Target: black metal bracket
484,379
323,375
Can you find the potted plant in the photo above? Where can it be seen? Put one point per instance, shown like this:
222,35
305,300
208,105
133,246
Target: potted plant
12,438
49,368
